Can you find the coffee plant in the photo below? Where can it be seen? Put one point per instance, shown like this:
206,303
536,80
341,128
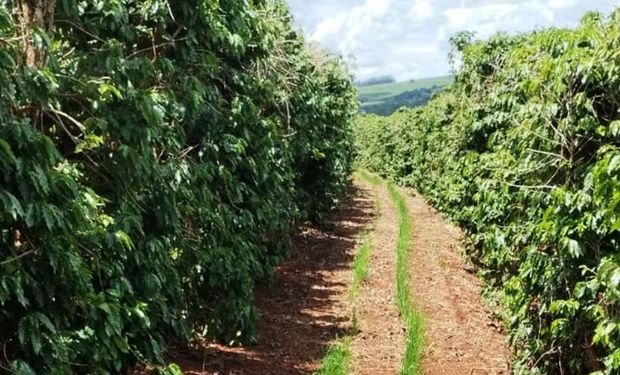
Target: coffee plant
155,157
523,151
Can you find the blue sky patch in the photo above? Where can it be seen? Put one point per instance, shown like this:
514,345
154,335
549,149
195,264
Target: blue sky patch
408,39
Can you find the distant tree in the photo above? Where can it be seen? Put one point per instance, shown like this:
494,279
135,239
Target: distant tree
411,99
376,81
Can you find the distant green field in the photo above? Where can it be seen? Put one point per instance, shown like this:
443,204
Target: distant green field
385,98
383,91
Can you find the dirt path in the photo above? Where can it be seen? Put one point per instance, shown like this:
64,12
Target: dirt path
461,337
309,305
379,345
307,308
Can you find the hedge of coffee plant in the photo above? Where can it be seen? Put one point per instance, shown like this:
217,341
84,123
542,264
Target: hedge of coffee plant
155,157
523,151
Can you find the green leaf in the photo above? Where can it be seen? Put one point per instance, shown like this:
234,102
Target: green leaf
574,248
22,368
46,322
109,91
21,331
124,239
11,204
614,128
7,158
614,279
614,163
90,142
35,341
172,369
106,308
48,216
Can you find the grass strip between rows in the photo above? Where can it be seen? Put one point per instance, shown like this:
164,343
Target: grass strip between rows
337,359
361,264
372,179
411,362
338,356
361,268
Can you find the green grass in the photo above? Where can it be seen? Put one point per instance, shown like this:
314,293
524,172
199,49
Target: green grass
361,264
378,93
361,268
411,362
337,359
338,356
372,179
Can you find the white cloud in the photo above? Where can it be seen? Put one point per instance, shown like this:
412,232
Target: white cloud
328,27
348,26
562,4
468,18
506,16
421,10
424,49
409,38
442,33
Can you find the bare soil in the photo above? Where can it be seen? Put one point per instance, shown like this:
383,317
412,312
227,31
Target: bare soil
380,343
306,309
461,334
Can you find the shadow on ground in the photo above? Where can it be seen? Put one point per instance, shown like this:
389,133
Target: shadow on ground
305,310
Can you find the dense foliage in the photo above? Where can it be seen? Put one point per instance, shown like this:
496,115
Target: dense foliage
524,152
154,158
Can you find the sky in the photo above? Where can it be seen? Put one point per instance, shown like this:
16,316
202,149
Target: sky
408,39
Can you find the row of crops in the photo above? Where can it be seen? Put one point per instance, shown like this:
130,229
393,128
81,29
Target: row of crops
155,157
523,152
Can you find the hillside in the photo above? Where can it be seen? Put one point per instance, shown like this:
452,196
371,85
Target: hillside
384,99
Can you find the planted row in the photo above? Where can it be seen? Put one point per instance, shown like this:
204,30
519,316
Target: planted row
523,152
154,158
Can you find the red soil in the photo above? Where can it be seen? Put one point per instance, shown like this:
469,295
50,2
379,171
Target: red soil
462,335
